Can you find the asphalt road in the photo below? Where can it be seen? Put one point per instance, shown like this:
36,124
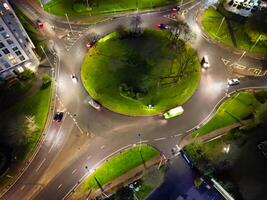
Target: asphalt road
112,132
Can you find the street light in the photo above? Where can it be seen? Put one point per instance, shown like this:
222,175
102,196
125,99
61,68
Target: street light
69,23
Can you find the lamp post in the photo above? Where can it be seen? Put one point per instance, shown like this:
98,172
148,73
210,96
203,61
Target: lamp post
69,23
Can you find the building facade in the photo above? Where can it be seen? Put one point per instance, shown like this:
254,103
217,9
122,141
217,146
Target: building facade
15,45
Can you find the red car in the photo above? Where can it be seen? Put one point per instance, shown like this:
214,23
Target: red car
39,24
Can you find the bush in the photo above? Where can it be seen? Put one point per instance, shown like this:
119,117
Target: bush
46,81
79,8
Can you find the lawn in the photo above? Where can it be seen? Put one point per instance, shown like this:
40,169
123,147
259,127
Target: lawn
234,109
76,10
117,166
243,170
36,105
211,21
126,75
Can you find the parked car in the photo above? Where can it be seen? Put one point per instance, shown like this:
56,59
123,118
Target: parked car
90,44
205,62
233,81
58,116
94,104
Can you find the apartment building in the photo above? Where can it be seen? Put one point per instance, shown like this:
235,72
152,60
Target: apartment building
15,45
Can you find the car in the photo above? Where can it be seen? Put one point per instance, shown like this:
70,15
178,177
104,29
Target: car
176,8
74,78
233,81
205,62
175,151
39,24
58,116
173,112
94,104
163,26
89,45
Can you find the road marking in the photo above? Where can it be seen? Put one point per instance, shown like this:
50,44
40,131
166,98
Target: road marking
73,172
51,147
177,135
143,141
88,158
40,165
22,187
59,186
158,139
102,147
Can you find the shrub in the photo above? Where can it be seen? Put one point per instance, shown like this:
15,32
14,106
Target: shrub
46,81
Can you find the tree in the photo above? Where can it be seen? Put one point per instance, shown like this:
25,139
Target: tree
260,115
124,193
136,24
122,32
256,26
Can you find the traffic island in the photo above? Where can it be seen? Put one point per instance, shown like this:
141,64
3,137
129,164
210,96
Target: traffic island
141,75
117,171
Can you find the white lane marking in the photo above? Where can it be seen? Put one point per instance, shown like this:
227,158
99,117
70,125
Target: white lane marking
59,186
73,171
102,147
40,165
158,139
22,187
51,147
89,157
177,135
143,141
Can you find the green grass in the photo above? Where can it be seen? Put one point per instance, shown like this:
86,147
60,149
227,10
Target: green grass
149,67
35,105
211,21
234,109
76,10
118,165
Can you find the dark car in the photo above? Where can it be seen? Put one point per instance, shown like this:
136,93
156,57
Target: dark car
163,26
176,8
58,116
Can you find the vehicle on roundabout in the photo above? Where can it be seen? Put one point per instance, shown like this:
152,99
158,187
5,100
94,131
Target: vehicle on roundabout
74,78
58,116
205,62
163,26
233,81
173,112
94,104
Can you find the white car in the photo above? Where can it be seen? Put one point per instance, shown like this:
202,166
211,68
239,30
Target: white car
205,62
94,104
74,78
233,81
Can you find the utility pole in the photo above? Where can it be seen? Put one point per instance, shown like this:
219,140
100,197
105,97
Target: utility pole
69,23
258,39
46,56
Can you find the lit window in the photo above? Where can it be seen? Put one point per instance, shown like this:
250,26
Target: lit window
5,35
6,6
12,59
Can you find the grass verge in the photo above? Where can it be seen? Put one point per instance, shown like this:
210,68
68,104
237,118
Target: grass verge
238,107
211,21
117,166
77,10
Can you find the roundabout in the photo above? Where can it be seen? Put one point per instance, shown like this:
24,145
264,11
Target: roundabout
140,75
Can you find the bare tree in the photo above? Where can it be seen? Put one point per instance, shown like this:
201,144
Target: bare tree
136,24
